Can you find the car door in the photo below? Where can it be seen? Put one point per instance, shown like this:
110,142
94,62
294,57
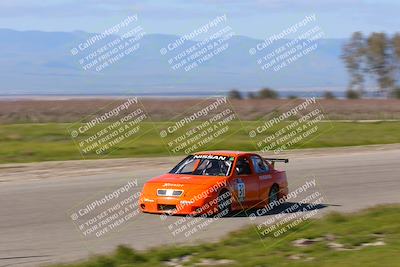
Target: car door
246,182
264,175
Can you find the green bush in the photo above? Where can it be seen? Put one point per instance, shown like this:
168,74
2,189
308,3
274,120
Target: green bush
329,95
268,93
396,92
251,95
234,94
352,94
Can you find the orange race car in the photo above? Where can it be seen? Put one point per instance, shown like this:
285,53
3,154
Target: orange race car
212,182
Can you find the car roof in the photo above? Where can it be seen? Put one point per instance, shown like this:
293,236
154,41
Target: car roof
229,153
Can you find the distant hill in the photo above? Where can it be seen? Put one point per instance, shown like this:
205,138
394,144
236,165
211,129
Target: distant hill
34,62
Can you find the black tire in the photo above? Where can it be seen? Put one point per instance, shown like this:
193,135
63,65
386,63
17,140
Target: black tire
273,194
225,202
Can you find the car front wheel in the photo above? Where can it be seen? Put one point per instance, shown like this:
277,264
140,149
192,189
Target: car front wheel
225,202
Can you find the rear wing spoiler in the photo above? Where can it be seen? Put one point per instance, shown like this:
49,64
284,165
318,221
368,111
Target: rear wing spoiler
273,160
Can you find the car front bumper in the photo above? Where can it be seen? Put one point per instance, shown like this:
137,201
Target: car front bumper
177,206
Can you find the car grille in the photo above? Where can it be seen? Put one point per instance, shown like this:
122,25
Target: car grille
169,193
170,208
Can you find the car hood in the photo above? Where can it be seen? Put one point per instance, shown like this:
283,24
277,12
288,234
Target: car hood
179,180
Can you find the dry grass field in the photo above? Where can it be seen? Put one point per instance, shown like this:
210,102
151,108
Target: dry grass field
72,110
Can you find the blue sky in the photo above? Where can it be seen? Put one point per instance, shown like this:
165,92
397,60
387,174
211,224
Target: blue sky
253,18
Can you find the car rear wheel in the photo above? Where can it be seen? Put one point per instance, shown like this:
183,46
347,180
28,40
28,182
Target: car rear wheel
224,202
273,194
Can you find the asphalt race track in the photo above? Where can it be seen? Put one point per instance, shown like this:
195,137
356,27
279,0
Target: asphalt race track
35,200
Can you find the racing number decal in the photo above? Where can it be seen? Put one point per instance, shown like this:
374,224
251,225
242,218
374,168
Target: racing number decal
241,190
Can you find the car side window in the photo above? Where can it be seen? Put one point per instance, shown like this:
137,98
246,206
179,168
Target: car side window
259,165
243,166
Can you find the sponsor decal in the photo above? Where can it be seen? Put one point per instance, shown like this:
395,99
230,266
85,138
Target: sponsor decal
265,177
241,189
169,184
210,157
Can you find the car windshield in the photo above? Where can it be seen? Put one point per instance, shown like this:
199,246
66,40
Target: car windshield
212,165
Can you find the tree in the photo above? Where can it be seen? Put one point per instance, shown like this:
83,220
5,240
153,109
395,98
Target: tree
395,44
268,93
329,95
380,61
353,56
234,94
377,56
